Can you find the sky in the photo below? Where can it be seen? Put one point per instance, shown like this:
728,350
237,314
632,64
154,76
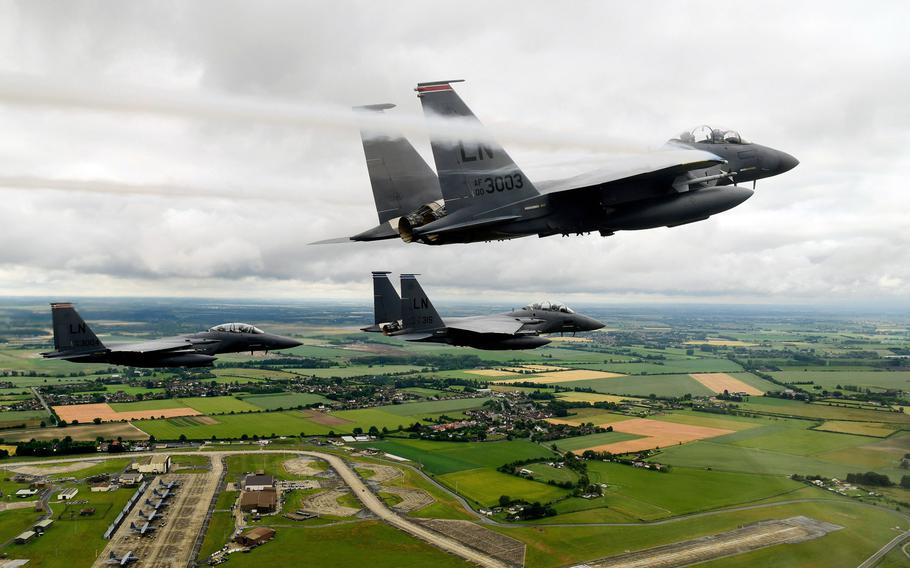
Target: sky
195,148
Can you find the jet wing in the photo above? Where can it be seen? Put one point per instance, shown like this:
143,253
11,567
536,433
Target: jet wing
665,163
169,345
387,230
503,325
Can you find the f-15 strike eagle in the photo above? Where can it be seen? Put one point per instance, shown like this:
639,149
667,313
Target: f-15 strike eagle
74,341
124,560
480,194
412,317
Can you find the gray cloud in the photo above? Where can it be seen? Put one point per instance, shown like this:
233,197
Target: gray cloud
242,111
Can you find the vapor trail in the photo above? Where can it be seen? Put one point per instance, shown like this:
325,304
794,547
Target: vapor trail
35,91
108,187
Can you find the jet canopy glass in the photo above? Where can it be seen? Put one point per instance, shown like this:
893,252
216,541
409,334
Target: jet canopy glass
550,307
705,134
236,328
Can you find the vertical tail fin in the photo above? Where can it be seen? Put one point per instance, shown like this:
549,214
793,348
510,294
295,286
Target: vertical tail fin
401,179
386,302
71,333
417,312
471,173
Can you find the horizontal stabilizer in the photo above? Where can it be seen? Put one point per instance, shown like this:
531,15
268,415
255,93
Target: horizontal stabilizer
440,226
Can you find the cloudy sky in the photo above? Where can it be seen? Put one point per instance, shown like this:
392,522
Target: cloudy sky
194,148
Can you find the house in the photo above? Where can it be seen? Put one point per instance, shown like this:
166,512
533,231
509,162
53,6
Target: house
130,478
256,536
258,482
158,464
42,525
67,494
262,501
102,488
23,493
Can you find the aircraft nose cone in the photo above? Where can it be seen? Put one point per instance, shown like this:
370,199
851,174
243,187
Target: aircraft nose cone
590,324
287,343
787,162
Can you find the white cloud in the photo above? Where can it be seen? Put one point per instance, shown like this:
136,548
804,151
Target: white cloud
188,200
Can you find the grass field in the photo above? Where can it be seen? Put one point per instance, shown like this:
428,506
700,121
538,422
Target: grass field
485,486
880,380
345,546
440,458
205,405
645,385
73,540
866,531
284,400
358,371
823,411
219,531
876,430
593,397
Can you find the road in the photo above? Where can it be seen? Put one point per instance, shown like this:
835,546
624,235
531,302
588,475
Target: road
37,392
875,558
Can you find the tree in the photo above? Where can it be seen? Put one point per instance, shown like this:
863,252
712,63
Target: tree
96,420
905,482
358,431
182,437
504,500
374,431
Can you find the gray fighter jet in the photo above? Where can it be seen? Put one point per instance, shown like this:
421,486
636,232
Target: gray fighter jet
480,194
412,317
74,341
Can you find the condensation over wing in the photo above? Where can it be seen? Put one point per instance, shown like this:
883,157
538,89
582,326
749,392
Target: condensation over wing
504,325
669,163
169,345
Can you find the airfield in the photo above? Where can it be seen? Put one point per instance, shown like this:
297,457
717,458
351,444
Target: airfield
691,473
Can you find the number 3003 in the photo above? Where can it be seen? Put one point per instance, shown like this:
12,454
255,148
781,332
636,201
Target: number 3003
500,183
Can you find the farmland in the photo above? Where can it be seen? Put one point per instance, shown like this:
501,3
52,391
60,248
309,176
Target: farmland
657,377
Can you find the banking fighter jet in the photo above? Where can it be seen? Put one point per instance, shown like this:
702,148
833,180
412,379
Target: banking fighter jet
480,194
74,341
412,317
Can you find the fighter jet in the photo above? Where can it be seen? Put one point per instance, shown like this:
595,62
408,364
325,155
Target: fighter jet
123,560
162,495
74,341
145,530
158,505
412,317
148,517
480,194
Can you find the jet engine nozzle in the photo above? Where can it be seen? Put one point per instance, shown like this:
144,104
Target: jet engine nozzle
418,218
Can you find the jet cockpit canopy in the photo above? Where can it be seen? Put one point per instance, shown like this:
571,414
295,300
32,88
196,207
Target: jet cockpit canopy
549,307
705,134
236,327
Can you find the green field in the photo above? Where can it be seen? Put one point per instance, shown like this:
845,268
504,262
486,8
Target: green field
284,400
348,545
205,405
669,366
219,531
878,380
644,385
73,540
866,530
446,457
358,371
591,440
823,411
485,486
16,417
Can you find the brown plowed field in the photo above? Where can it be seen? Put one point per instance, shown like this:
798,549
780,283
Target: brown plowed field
657,434
720,382
86,413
